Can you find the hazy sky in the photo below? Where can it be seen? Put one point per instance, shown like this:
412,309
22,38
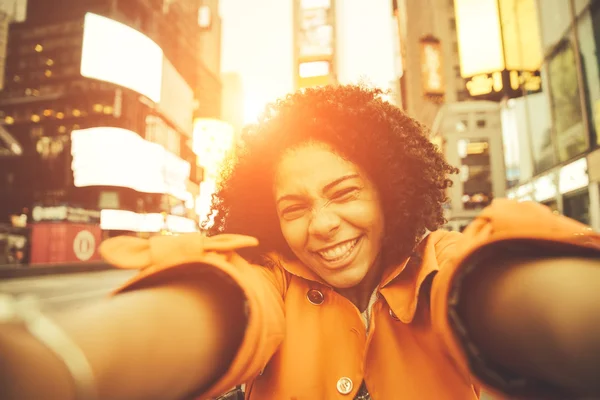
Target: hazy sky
257,44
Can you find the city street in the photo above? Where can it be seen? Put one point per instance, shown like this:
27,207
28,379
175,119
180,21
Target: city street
320,139
58,292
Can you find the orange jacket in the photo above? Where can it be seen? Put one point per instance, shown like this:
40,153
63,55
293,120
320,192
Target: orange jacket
304,341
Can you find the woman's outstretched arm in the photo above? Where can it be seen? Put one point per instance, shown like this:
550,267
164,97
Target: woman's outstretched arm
538,317
165,341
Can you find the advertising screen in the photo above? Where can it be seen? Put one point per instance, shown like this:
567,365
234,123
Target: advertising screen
106,156
316,34
477,19
114,52
123,220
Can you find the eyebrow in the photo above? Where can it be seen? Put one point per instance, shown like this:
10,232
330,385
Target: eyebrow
339,180
326,188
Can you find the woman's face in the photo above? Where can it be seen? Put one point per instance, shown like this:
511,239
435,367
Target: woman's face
330,214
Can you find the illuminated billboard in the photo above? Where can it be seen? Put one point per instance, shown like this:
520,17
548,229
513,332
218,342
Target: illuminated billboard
499,46
432,72
106,156
123,220
316,33
314,43
116,53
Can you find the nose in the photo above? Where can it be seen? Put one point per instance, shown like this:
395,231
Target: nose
324,223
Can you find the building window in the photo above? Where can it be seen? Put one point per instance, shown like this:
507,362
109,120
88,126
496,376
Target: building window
452,24
588,32
555,18
570,135
475,173
463,95
457,71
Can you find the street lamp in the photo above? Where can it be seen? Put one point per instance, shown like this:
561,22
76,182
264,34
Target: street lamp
499,47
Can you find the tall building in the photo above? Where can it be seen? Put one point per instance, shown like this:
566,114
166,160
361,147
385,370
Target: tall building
4,24
538,60
430,64
233,100
10,11
100,97
16,9
343,42
470,135
551,135
433,90
210,24
314,47
209,86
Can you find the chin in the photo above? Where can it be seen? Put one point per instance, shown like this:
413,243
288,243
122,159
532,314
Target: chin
346,279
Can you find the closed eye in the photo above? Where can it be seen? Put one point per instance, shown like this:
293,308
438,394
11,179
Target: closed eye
345,194
293,212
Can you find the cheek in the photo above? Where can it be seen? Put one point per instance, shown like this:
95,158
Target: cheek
294,233
365,215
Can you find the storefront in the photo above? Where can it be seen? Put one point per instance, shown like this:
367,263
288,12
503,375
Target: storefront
573,182
63,234
545,191
565,190
593,162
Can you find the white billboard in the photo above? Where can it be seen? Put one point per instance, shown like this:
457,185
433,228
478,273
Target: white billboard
116,53
106,156
123,220
316,33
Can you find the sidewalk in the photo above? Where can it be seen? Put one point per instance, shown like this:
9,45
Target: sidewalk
24,271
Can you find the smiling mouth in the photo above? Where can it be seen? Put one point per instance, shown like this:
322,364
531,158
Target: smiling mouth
338,252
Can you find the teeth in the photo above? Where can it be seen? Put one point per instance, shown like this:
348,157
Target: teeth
338,252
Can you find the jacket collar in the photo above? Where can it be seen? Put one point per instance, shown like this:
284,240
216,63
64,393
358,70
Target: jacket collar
401,290
399,285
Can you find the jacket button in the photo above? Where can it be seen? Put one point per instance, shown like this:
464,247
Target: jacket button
315,297
344,385
394,315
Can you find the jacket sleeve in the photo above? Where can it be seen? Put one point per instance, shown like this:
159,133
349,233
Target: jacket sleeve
263,288
505,226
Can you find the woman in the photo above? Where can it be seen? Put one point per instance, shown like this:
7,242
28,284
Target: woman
326,277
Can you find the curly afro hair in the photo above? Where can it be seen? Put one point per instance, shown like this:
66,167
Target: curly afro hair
409,172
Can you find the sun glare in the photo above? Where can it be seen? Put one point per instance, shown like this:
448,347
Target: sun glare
254,105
